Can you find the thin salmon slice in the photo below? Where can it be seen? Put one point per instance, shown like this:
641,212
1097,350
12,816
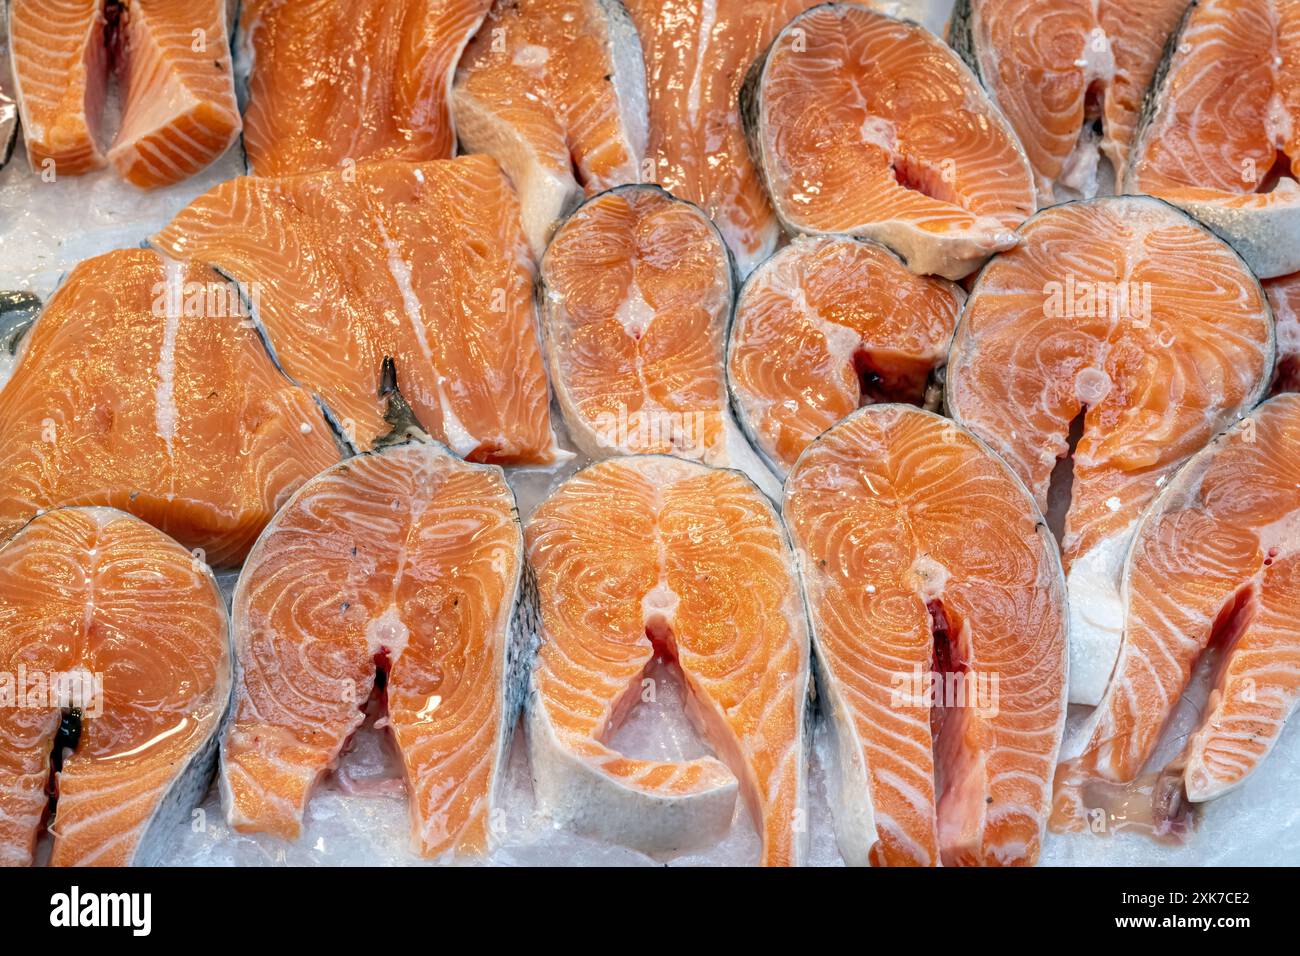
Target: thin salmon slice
872,126
425,264
829,324
1216,561
335,84
1070,76
133,632
60,70
939,629
1132,315
142,387
696,54
555,91
651,555
1284,296
404,561
181,113
1221,127
637,291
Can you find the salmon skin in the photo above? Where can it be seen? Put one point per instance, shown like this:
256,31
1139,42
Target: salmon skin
424,264
1128,322
142,386
1070,76
696,54
555,91
1230,168
8,103
637,290
179,112
404,561
652,555
336,84
133,632
825,325
1216,560
872,126
939,630
1284,296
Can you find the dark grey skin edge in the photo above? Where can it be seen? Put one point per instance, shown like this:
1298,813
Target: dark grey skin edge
18,313
961,37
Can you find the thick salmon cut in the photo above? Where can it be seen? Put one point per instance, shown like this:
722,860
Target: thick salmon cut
1126,319
119,645
404,561
939,628
1284,296
1070,76
141,386
179,90
872,126
651,555
425,264
696,54
555,91
60,67
637,291
1221,127
1216,561
829,324
335,84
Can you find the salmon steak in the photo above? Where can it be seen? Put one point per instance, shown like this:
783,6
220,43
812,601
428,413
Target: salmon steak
335,84
1284,296
1215,564
142,387
402,563
1221,127
1070,76
1096,358
636,291
424,264
177,89
651,556
696,54
829,324
555,91
120,643
871,126
939,628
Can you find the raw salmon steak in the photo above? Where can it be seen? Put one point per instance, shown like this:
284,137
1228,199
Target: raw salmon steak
404,561
656,556
1221,127
60,68
829,324
555,91
1284,296
143,387
334,84
1070,76
120,643
939,629
1215,562
872,126
425,264
1122,336
696,54
637,293
179,92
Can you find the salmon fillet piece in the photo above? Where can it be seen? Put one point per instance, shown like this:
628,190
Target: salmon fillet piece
650,555
404,561
135,630
1216,560
925,560
425,264
336,84
142,387
1132,315
555,91
1284,296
